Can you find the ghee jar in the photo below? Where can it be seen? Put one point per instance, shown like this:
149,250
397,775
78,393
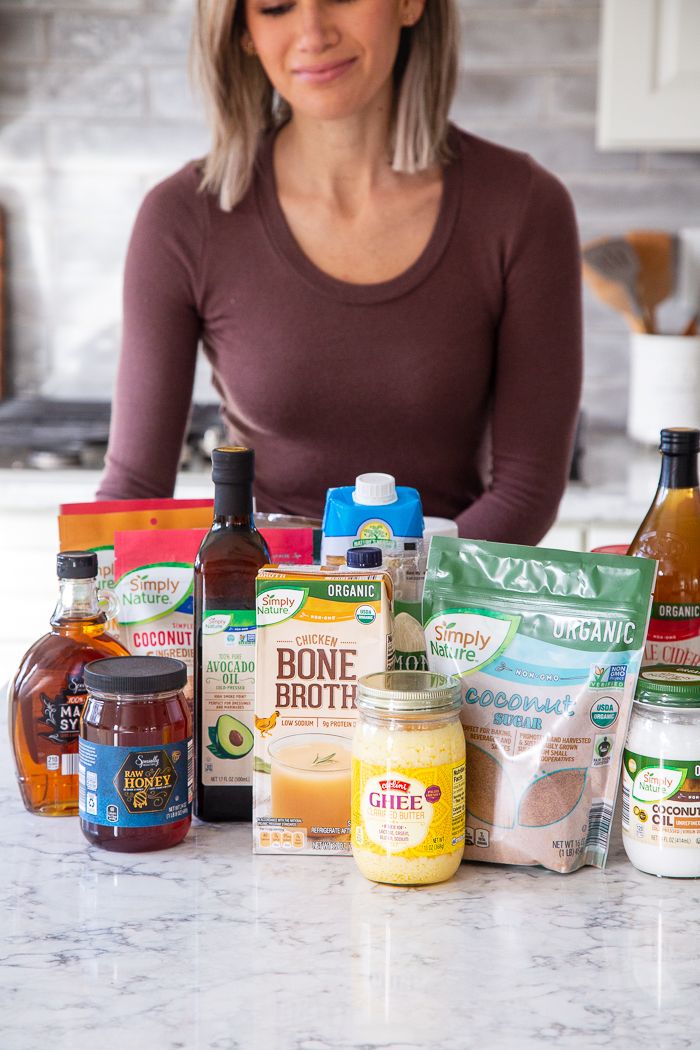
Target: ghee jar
661,773
408,777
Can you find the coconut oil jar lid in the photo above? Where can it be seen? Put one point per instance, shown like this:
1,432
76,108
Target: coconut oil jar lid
396,692
666,685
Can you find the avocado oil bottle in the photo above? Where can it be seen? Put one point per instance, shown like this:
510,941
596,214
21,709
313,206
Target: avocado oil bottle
224,673
670,533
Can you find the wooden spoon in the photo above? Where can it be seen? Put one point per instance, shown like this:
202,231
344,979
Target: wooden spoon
657,253
611,268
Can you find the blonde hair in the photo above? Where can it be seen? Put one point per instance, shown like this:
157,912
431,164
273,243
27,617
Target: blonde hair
242,104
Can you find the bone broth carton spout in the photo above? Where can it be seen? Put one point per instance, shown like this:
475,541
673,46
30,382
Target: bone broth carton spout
318,632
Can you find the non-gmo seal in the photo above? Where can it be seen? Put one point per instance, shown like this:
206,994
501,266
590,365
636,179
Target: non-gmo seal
604,712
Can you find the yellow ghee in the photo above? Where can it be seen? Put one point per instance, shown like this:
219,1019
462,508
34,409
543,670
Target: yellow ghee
408,778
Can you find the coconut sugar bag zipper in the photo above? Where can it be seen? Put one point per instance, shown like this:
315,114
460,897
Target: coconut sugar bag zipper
547,645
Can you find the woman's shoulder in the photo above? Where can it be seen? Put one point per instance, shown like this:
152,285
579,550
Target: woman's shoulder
177,198
501,172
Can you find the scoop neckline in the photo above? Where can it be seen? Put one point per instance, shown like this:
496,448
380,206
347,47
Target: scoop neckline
282,238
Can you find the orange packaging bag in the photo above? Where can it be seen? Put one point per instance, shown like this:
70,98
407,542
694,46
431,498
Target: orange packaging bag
92,526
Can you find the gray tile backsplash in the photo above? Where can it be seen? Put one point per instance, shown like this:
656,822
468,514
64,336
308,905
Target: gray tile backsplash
95,107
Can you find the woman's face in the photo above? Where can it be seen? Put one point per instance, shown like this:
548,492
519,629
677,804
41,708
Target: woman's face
328,59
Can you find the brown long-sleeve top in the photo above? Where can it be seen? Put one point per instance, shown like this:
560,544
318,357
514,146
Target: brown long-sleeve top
460,377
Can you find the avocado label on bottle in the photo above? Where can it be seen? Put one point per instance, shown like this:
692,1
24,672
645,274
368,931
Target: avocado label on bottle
228,696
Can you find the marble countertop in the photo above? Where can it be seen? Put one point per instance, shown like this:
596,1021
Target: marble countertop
207,947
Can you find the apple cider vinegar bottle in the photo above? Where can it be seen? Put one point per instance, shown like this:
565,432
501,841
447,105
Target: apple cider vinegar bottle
670,533
224,674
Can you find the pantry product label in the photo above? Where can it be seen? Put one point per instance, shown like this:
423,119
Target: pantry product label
228,696
661,800
674,634
154,592
135,787
408,813
547,645
317,633
58,723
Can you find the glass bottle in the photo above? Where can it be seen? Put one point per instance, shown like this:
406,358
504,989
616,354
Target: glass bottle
136,754
48,692
224,609
670,533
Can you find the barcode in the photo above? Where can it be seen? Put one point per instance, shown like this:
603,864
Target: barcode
599,821
625,806
69,765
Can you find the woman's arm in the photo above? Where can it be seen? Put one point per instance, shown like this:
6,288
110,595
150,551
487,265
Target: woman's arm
537,380
159,343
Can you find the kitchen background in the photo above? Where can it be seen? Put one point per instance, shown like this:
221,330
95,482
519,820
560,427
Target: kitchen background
95,107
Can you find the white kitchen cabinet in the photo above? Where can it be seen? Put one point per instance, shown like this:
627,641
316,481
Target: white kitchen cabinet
649,75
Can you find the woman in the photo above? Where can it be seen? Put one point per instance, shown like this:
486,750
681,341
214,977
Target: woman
374,289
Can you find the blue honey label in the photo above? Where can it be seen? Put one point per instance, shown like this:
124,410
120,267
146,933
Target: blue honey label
135,787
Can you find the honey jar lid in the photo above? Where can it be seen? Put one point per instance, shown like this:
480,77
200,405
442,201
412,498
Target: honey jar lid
667,685
135,675
408,691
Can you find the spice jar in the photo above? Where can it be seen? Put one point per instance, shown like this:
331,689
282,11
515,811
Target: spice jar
661,774
135,754
408,778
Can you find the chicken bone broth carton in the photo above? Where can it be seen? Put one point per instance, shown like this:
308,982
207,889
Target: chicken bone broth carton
547,645
317,633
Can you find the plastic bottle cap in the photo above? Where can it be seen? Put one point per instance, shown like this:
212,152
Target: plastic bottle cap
76,565
668,685
135,675
374,490
681,440
364,558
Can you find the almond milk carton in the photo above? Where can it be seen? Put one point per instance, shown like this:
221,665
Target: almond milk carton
317,633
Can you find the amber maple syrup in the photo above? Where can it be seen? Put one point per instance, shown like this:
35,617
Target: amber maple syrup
48,693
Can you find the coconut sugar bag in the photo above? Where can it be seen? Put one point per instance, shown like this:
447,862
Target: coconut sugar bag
547,645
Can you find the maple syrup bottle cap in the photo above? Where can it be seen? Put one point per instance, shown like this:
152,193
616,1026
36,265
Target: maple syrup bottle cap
76,565
680,440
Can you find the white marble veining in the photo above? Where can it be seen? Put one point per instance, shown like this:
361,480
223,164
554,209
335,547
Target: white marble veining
207,947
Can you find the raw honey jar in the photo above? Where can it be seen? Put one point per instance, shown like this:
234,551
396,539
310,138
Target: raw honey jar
136,762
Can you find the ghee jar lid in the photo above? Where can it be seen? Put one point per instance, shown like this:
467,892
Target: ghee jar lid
408,691
666,685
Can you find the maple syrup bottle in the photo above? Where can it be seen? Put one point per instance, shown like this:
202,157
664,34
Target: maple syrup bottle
224,616
670,533
48,692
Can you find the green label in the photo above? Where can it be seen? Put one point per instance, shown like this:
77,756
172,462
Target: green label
659,779
604,712
228,695
675,610
338,590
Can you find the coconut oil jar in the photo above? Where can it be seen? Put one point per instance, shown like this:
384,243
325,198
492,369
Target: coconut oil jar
661,774
408,778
